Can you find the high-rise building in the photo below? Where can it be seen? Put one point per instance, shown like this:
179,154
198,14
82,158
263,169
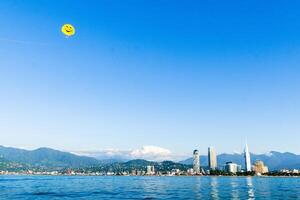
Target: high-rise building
212,158
196,162
247,159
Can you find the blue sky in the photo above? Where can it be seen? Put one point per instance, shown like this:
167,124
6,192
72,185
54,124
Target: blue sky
174,74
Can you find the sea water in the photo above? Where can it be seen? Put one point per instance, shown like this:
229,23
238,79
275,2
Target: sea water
142,187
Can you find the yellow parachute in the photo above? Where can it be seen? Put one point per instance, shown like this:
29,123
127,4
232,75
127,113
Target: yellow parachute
68,29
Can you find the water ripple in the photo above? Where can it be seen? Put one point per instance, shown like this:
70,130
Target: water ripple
148,188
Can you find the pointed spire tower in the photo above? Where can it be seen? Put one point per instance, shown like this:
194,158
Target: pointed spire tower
247,159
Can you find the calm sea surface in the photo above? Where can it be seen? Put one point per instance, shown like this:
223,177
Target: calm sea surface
112,187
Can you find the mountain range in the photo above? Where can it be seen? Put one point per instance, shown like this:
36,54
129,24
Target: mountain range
54,159
45,158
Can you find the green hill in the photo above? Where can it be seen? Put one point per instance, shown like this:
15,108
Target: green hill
46,158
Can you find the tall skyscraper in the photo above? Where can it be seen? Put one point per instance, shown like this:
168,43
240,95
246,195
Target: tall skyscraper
212,158
247,159
196,162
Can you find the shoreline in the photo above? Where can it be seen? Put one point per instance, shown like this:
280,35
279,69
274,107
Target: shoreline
90,175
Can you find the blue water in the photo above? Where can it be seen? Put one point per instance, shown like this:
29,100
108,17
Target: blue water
112,187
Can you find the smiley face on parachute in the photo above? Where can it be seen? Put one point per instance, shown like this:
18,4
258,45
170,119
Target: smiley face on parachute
68,29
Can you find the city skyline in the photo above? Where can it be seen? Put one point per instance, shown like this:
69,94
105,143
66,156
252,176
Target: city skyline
153,153
142,73
227,163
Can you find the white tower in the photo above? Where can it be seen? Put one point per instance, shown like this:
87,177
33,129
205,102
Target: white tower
247,159
196,162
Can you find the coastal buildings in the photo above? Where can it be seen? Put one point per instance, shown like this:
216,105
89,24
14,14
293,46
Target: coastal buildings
150,170
134,172
232,168
287,171
190,171
212,158
247,159
260,168
196,162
